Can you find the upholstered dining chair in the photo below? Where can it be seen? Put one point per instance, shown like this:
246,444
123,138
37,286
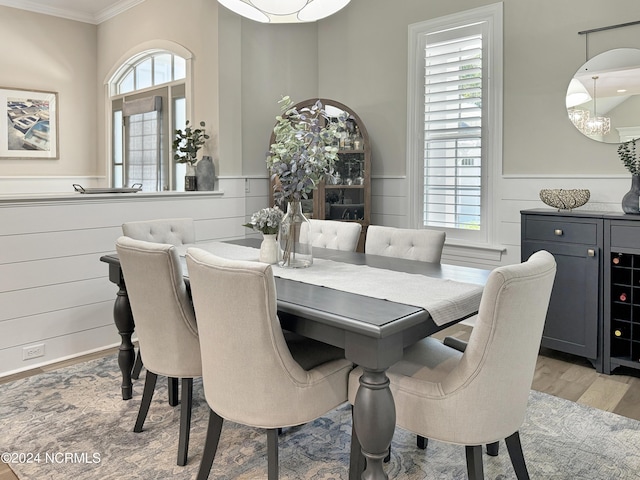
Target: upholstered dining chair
334,234
250,375
479,396
165,323
174,231
414,244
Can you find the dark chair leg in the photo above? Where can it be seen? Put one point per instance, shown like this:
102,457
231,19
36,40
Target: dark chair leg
173,391
185,420
147,395
137,367
272,453
514,447
492,449
210,445
474,462
357,460
422,442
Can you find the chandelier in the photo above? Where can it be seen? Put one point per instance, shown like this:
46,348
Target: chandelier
284,11
595,125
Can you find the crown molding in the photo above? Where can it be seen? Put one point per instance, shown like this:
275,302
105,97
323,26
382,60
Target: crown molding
72,14
116,9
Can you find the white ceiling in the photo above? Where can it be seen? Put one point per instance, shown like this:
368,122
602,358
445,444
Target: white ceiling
89,11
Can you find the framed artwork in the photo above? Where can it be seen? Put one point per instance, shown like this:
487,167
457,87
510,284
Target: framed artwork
31,127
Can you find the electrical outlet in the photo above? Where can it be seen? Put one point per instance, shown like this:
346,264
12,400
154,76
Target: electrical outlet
33,351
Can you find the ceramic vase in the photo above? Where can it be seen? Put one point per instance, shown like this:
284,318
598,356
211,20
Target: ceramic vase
631,200
293,238
269,248
205,174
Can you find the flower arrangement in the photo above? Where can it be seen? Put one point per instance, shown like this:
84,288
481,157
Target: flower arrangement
266,220
628,155
187,143
305,149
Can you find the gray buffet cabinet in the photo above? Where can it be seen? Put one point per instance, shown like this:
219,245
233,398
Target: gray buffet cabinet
595,303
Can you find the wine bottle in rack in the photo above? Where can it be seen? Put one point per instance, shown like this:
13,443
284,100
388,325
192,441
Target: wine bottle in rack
616,258
620,332
623,297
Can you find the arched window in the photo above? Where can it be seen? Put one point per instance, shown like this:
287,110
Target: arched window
148,97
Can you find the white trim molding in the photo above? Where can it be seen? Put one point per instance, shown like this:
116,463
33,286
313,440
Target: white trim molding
86,15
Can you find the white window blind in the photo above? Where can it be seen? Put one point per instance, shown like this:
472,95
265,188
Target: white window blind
453,129
143,133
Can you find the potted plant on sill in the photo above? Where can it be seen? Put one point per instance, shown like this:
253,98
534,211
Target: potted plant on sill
303,153
186,145
628,155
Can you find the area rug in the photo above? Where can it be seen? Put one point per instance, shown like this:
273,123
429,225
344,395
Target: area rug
71,424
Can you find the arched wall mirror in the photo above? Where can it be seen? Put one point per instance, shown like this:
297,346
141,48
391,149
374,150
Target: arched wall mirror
603,97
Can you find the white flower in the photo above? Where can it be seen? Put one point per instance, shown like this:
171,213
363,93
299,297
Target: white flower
266,220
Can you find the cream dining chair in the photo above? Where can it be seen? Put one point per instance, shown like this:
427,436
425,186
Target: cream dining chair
250,375
172,231
479,396
165,324
413,244
334,234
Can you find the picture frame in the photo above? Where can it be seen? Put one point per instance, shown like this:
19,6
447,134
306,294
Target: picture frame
31,127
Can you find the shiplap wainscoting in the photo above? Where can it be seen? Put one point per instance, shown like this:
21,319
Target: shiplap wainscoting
390,206
53,288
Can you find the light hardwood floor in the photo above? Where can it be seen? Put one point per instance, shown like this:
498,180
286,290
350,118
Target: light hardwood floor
565,376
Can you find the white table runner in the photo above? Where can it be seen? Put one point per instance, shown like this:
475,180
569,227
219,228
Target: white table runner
445,300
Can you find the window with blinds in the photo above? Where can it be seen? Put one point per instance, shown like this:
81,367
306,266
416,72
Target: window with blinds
148,103
454,138
453,94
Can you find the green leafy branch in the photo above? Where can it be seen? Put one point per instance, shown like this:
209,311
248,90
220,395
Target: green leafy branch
628,155
187,143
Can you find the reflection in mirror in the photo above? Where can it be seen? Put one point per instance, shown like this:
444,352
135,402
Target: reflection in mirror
603,97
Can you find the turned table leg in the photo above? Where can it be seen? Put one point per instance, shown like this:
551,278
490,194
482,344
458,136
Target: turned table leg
123,318
374,417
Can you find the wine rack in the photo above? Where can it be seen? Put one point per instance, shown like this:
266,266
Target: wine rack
625,307
594,310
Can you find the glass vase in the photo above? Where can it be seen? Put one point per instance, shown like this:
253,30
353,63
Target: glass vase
269,248
631,200
293,238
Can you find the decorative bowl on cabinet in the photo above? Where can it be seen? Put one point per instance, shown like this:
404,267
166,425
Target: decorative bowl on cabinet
565,199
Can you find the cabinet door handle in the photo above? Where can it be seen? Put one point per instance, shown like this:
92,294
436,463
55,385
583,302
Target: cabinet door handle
558,232
591,252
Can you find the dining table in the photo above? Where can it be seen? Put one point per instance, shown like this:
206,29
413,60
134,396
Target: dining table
372,306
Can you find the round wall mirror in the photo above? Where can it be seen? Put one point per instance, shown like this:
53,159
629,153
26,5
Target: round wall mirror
603,98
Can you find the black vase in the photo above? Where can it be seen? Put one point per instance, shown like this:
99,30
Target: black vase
631,200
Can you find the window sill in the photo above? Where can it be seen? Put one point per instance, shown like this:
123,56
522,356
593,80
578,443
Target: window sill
465,251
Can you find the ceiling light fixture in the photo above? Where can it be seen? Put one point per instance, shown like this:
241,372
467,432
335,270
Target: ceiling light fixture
284,11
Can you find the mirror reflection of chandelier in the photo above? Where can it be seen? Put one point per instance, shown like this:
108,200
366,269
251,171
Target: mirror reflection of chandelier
579,118
595,125
284,11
